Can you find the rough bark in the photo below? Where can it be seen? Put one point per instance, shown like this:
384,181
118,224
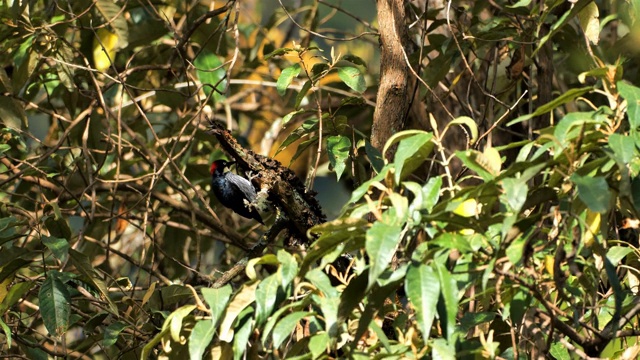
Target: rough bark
284,188
393,98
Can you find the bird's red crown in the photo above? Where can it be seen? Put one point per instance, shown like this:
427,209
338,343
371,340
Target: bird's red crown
214,166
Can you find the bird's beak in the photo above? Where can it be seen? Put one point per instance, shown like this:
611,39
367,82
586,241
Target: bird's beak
230,163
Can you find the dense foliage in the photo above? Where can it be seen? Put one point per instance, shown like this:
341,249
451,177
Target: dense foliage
501,222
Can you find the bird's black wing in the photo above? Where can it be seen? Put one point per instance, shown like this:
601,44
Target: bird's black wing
244,186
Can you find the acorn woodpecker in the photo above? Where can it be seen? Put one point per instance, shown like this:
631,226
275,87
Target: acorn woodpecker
233,191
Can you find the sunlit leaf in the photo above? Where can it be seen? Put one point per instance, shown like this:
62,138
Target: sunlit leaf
217,300
623,147
632,95
243,298
469,123
338,148
381,242
590,22
353,78
175,320
286,77
449,291
266,295
285,326
7,332
201,335
411,153
241,337
104,49
423,289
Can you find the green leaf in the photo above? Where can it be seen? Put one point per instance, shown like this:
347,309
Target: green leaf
268,327
241,337
520,3
423,290
593,191
217,300
329,307
375,157
571,125
148,348
56,223
243,298
353,294
319,344
450,240
338,148
431,192
278,52
303,92
437,69
411,153
449,292
15,293
175,319
568,96
211,74
354,60
632,95
290,115
623,147
590,22
442,350
618,293
560,23
381,242
286,77
112,332
469,122
81,262
516,250
559,351
267,259
616,253
320,280
332,233
318,70
200,338
515,193
471,319
13,116
174,294
55,305
353,78
12,267
285,326
266,295
358,193
58,246
288,268
477,162
7,332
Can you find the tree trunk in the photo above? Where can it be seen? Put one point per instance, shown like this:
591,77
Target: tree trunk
393,98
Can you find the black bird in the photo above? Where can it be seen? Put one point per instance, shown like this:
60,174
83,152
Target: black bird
233,191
